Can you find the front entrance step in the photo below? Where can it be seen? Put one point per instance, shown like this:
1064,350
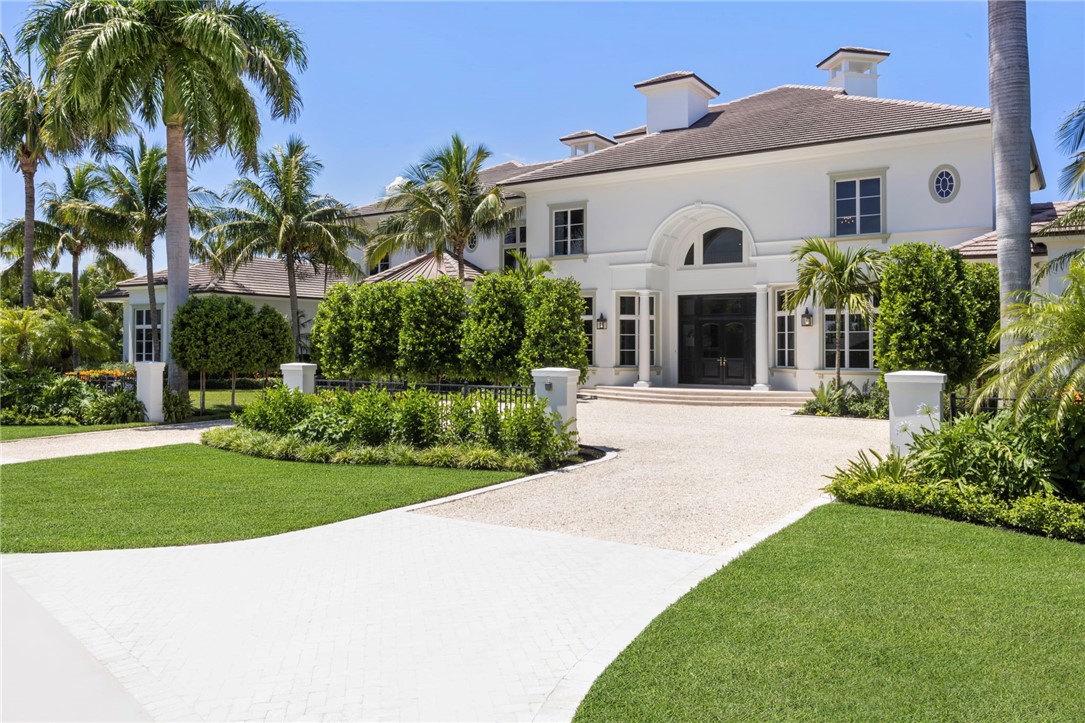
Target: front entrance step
700,396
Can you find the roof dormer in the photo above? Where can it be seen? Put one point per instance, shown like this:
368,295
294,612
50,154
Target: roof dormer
584,142
675,100
854,70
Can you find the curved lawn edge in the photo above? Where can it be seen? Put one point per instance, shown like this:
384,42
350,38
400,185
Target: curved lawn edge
856,613
192,494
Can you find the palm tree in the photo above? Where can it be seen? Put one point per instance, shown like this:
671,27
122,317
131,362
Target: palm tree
1011,123
526,269
1071,138
1049,361
441,205
26,141
838,279
188,65
277,215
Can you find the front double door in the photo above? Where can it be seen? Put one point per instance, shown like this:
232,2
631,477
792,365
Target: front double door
717,344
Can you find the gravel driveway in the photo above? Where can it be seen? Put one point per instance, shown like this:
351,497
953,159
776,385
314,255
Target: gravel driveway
695,479
109,440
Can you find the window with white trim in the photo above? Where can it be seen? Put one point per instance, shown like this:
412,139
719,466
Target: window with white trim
515,240
143,347
858,205
587,318
785,330
856,341
629,330
568,230
382,265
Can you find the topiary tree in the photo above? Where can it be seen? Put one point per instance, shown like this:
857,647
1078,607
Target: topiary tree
274,342
196,338
494,329
239,341
929,316
553,331
376,328
432,313
332,336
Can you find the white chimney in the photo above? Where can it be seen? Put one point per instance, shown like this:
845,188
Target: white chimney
855,70
675,100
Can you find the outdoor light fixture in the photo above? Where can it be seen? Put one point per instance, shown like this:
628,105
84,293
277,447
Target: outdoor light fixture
601,322
549,385
807,318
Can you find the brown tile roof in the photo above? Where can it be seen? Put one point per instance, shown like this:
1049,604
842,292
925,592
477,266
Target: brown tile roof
638,131
584,134
986,246
791,116
853,49
489,176
676,75
427,267
259,277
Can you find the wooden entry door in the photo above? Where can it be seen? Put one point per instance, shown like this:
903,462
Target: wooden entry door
717,343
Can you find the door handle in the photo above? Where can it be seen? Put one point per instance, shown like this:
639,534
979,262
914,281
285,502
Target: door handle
722,361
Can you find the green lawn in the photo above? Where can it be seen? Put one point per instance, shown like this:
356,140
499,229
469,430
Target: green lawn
862,614
9,432
218,400
188,493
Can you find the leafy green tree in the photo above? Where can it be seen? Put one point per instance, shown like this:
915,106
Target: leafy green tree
332,337
430,329
494,329
199,338
279,216
553,331
441,205
27,141
377,319
982,291
928,317
40,337
274,344
192,66
836,278
1049,363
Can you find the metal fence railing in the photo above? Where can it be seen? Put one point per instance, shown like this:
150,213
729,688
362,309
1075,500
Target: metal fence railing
964,403
125,381
503,394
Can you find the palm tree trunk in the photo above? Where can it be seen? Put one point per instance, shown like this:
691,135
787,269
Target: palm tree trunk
156,340
1012,148
460,248
295,322
177,237
839,335
75,304
29,168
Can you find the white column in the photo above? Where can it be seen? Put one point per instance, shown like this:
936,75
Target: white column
761,346
644,341
915,404
298,375
556,386
149,384
128,334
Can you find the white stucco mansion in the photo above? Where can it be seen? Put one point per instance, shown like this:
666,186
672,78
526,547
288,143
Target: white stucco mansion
680,231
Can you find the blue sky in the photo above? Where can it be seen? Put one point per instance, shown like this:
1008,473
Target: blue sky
387,81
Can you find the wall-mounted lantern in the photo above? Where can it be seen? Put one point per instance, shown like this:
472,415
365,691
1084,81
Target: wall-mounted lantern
807,319
601,322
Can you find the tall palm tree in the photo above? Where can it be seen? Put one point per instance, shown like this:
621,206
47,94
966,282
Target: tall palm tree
25,140
441,205
838,279
1049,361
277,215
189,65
1011,123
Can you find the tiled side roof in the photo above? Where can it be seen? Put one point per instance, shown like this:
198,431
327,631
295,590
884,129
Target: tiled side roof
853,49
986,246
259,277
427,267
791,116
583,134
489,176
676,75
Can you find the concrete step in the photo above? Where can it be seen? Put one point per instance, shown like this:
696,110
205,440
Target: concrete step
699,396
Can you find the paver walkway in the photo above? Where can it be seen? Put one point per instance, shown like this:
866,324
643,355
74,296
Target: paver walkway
409,615
109,440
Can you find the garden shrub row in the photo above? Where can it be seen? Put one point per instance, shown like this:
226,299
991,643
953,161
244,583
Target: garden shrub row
1026,472
520,435
433,330
45,397
848,400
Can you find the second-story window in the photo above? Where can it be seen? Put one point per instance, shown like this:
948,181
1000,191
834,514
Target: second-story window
569,232
858,207
515,240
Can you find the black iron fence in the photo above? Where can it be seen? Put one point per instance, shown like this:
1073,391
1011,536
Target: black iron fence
108,382
503,394
965,403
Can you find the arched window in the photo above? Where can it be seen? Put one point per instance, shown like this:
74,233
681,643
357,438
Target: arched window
722,246
689,257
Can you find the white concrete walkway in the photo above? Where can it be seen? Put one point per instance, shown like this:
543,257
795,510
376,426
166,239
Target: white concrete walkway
109,440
